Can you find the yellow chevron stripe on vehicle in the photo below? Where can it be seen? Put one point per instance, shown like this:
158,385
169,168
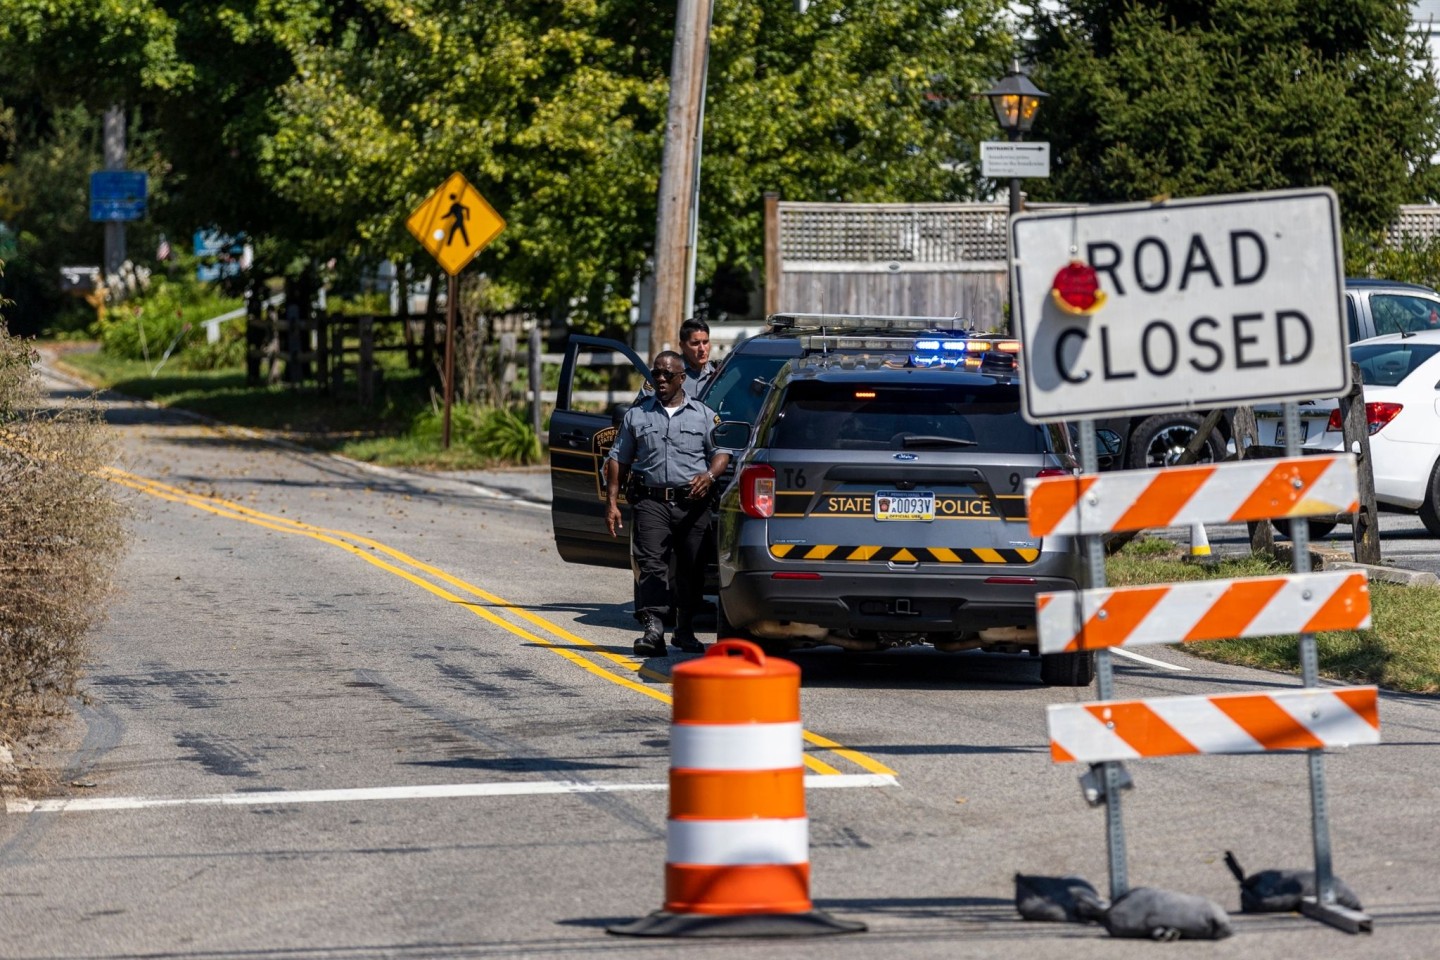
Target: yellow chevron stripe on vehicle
879,554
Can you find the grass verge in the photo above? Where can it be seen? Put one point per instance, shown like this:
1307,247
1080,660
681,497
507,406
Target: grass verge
1401,651
400,429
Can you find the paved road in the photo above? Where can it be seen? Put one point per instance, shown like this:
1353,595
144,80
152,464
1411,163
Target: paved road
341,712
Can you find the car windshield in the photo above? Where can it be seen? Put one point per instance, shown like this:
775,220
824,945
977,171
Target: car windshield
740,386
854,416
1386,364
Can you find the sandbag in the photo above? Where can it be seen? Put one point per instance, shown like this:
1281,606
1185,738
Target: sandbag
1157,914
1280,891
1057,899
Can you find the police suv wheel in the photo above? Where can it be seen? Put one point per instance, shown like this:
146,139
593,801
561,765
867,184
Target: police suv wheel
1160,440
1067,669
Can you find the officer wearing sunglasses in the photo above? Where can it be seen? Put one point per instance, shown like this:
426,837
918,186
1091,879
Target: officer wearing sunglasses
665,441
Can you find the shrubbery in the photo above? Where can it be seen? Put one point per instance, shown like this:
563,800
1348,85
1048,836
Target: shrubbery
61,534
496,433
168,313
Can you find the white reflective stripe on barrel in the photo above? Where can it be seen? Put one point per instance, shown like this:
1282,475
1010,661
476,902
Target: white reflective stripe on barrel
744,746
731,843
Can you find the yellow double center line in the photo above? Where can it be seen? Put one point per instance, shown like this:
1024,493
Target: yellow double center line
367,549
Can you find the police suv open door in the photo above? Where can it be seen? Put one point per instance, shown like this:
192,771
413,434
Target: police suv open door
582,430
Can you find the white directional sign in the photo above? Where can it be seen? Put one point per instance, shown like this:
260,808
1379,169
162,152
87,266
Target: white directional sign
1002,159
1208,302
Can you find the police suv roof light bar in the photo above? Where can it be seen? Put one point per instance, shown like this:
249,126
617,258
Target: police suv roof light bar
843,321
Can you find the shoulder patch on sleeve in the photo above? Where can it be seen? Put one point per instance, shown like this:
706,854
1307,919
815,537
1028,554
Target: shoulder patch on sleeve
717,418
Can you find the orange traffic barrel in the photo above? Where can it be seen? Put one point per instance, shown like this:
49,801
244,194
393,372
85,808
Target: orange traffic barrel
737,840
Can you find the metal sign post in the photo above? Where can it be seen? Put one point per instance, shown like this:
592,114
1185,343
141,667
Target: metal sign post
1322,906
453,224
1112,774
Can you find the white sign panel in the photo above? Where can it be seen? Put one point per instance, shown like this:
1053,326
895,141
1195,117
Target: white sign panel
1212,302
1003,159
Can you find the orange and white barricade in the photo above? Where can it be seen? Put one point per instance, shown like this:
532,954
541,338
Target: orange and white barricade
1180,496
1301,719
737,840
1203,610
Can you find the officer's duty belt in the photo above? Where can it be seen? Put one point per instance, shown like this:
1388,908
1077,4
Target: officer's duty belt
667,494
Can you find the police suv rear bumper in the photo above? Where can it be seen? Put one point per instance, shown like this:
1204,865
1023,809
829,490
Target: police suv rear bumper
886,600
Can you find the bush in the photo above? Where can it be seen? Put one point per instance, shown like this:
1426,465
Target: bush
504,434
169,312
61,534
495,433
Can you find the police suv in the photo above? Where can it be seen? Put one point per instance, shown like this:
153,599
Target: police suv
966,490
599,377
880,503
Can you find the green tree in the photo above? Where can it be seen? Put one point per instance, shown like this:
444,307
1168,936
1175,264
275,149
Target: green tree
556,112
1194,97
317,125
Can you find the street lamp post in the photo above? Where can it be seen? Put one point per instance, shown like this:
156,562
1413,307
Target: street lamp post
1016,100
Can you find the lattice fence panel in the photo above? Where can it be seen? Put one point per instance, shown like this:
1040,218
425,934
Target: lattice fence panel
900,233
1418,222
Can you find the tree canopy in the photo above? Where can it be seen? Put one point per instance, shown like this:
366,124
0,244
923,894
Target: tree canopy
1194,97
326,121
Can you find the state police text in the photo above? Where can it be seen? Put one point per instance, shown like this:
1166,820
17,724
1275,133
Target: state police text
1204,342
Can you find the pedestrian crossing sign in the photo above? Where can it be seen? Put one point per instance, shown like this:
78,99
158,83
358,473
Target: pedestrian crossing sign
455,223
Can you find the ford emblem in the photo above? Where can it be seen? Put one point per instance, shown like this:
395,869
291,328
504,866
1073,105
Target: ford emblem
907,457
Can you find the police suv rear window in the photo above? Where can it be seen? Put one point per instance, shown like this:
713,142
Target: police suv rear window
857,416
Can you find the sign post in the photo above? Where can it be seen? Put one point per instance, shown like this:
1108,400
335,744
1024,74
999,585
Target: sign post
453,224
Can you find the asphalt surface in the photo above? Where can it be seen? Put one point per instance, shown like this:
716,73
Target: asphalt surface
338,711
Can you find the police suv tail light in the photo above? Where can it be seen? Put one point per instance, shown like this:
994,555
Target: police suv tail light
757,490
1051,472
1377,415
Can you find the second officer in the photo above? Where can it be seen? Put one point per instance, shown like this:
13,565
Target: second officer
665,441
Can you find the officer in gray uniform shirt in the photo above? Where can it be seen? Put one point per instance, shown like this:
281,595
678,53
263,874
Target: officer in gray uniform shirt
665,441
695,348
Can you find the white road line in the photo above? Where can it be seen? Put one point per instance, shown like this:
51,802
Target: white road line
269,798
1150,660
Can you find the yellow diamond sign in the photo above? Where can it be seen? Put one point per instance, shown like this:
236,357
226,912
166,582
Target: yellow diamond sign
455,223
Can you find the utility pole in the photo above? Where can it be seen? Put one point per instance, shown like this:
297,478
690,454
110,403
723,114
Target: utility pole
677,172
114,149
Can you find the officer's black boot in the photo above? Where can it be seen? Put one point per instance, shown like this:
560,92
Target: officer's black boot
685,637
652,644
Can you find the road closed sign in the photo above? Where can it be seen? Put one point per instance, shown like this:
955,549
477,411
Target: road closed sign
1212,302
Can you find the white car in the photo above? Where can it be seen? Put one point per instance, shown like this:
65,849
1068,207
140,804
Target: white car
1401,372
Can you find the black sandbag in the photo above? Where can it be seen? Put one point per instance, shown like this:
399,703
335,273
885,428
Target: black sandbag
1157,914
1057,899
1280,891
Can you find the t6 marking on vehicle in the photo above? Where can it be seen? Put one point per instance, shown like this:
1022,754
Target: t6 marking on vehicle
879,554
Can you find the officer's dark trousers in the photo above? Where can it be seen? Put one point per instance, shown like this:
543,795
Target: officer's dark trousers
660,530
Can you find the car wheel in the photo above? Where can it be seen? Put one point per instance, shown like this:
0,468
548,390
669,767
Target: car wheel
1318,528
1430,509
1067,669
1160,440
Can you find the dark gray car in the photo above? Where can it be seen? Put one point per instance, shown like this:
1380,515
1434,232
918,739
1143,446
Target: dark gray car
881,504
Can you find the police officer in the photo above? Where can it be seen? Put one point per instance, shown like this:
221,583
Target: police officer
665,441
695,348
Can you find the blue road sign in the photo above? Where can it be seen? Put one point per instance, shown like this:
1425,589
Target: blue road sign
117,195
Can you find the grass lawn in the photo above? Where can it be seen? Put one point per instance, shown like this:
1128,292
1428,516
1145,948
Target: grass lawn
1400,652
402,428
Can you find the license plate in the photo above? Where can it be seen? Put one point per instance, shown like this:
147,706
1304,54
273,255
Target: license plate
904,505
1280,432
